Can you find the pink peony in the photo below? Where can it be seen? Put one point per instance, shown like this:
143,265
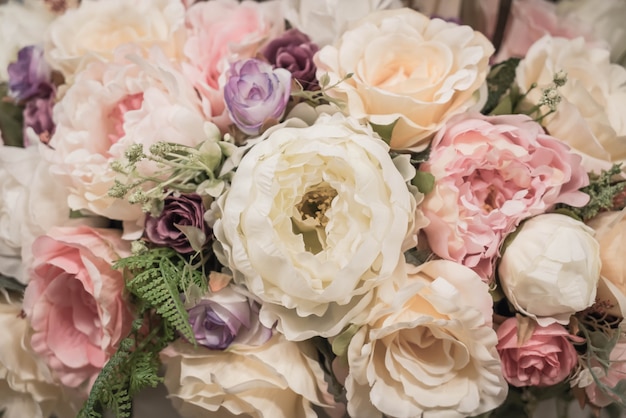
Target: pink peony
545,359
219,33
75,302
490,174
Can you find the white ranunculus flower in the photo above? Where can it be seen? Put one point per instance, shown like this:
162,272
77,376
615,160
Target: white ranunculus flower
325,20
93,31
551,268
431,352
316,218
27,387
407,68
279,379
590,117
21,24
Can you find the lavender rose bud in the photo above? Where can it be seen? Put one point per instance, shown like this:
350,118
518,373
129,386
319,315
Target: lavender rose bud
227,317
38,116
179,213
256,93
294,52
30,75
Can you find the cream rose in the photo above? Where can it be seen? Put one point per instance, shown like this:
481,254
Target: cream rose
589,118
93,30
407,68
551,268
280,379
27,387
316,218
431,353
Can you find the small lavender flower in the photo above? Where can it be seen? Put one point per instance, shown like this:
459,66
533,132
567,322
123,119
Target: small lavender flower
226,317
38,116
178,213
255,94
30,76
294,51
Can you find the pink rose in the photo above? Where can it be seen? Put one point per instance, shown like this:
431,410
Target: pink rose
219,33
490,174
75,302
545,359
615,373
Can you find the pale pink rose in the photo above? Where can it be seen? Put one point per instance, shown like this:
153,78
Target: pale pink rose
132,100
75,301
491,173
615,373
219,33
545,359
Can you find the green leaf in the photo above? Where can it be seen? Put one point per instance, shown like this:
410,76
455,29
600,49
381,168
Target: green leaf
424,181
499,81
384,131
341,342
11,120
10,283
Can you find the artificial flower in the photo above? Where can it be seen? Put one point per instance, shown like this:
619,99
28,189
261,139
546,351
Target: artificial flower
294,51
609,391
30,75
406,69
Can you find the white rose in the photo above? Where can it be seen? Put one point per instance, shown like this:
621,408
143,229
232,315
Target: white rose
21,24
27,387
431,353
279,379
129,101
407,68
590,117
551,268
93,31
325,20
315,219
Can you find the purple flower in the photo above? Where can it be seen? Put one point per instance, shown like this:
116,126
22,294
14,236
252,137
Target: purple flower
30,75
226,317
38,116
180,213
294,52
255,93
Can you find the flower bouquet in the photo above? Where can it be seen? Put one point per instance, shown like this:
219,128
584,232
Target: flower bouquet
312,208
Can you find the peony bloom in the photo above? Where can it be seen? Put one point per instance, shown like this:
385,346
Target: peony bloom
545,359
490,174
129,101
27,387
588,118
219,33
256,94
94,30
279,379
550,270
406,68
432,352
179,213
75,301
315,219
294,52
227,317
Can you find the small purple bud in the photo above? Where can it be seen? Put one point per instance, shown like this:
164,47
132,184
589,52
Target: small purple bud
38,116
30,76
185,210
256,93
294,51
226,317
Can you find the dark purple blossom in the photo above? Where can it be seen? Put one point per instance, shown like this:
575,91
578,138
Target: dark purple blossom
255,94
38,116
180,213
30,76
294,52
226,317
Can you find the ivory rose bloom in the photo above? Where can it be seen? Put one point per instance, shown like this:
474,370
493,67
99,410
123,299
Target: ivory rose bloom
75,301
92,31
589,117
545,359
431,353
129,101
27,387
550,270
490,174
279,379
406,68
315,219
221,32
